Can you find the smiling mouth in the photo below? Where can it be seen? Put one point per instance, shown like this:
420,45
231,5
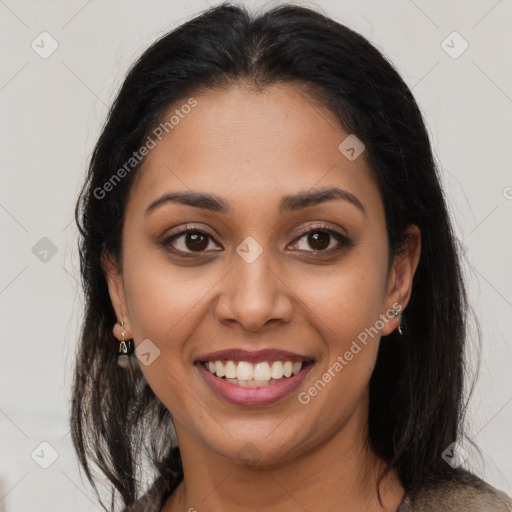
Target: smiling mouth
260,374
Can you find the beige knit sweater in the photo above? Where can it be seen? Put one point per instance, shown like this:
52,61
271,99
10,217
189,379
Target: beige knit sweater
469,494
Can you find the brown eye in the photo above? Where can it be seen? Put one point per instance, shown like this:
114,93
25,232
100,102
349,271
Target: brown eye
321,239
190,241
196,241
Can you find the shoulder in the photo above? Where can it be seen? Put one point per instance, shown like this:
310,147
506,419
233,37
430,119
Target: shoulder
466,494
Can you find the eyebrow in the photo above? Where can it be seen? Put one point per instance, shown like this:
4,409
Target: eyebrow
288,204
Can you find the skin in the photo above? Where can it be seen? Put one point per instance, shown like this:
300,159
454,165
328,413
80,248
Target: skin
251,147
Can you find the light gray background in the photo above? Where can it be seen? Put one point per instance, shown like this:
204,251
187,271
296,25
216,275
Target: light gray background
52,110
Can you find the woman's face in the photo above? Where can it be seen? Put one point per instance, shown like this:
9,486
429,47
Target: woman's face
250,278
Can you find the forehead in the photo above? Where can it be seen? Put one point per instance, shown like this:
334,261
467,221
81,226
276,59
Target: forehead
243,143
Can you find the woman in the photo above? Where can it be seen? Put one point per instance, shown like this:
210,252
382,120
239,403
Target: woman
275,311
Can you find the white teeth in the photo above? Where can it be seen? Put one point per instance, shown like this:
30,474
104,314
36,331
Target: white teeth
277,370
251,383
219,369
230,370
244,371
248,374
262,371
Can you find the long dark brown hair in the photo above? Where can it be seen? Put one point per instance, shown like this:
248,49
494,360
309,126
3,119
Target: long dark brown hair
417,389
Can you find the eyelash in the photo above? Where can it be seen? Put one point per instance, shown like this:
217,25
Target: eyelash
342,239
322,228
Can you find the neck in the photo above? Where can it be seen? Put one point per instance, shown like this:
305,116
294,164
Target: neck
339,474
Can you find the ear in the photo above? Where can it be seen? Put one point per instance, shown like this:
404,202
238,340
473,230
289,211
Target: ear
114,278
401,274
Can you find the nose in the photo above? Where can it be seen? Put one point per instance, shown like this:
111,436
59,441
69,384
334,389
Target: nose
254,295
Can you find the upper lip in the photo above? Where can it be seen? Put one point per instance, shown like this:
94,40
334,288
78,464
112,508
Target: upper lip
256,356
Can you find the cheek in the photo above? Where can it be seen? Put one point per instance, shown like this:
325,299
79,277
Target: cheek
165,306
344,305
161,298
344,300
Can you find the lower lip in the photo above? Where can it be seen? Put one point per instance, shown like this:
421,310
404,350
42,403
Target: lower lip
263,395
